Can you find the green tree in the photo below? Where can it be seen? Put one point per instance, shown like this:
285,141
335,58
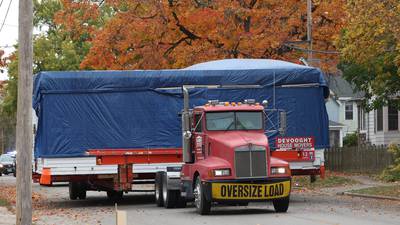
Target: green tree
59,45
370,49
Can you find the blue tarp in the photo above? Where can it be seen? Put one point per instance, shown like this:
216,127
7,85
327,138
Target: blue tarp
127,109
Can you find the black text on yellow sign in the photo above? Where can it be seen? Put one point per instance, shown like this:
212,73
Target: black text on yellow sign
250,191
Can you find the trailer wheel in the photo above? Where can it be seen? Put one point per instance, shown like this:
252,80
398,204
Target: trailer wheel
82,194
170,197
203,206
115,196
73,190
158,189
281,205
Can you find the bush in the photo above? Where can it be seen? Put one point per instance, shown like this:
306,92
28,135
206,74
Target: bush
392,173
350,140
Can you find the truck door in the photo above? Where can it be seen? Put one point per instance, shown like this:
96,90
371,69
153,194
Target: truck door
199,137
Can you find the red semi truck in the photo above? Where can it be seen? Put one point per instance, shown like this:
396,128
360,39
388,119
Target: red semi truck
109,130
226,160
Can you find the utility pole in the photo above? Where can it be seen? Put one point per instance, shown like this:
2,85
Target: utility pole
24,114
309,32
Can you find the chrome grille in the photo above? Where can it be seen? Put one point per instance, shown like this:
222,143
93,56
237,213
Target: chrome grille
250,161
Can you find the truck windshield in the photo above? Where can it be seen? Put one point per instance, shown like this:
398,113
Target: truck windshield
234,121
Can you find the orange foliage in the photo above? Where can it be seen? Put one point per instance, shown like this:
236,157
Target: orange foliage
78,19
154,34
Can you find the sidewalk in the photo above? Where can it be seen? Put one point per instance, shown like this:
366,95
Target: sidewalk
363,182
6,217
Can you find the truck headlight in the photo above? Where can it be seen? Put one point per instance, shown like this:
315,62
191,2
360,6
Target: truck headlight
278,170
222,172
1,166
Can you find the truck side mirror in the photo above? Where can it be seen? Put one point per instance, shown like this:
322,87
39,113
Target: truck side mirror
264,103
283,123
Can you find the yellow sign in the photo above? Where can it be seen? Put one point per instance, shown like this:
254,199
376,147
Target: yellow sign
250,191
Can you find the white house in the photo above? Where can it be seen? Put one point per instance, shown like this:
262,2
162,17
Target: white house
383,126
378,127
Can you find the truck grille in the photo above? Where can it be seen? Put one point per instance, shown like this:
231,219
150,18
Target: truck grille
250,161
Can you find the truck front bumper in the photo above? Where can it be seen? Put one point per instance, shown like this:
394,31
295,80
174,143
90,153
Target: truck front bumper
247,190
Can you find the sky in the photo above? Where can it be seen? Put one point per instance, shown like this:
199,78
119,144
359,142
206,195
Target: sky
9,33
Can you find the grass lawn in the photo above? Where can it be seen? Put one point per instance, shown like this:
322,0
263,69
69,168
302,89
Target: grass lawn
391,191
331,180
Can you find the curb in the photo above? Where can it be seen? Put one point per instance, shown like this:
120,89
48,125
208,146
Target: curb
369,196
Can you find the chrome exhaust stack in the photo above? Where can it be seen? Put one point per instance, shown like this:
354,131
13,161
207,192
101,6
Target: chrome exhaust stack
186,132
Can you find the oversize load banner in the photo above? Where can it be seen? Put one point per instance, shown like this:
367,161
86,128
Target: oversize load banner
294,142
239,191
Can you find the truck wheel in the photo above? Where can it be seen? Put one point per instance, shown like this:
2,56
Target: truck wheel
203,206
115,196
158,190
170,197
181,201
281,205
73,190
1,174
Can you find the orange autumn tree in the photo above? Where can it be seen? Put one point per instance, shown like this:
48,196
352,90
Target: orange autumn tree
154,34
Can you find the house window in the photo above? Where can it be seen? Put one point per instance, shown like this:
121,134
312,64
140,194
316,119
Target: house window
393,117
349,111
361,118
379,119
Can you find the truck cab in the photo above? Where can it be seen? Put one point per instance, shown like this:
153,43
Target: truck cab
229,158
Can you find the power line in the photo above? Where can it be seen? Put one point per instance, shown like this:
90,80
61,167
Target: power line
1,3
308,50
5,17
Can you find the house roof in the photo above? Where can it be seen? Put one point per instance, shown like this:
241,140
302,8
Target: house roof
335,124
338,85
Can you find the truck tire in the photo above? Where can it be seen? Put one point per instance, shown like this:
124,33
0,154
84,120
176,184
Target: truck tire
181,201
73,190
115,196
281,205
203,206
158,190
170,197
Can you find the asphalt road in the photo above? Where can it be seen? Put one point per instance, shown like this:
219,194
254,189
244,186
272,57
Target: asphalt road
322,207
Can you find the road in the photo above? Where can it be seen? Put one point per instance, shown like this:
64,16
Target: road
318,207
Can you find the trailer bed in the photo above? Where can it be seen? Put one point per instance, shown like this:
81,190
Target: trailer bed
87,166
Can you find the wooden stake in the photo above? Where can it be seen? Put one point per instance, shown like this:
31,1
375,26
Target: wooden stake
24,114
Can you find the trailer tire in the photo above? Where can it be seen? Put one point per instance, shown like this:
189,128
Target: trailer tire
73,190
203,206
158,189
281,205
82,193
115,196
